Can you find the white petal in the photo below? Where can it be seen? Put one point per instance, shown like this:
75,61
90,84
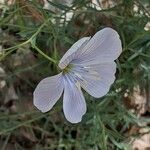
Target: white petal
72,52
74,104
98,83
104,46
47,92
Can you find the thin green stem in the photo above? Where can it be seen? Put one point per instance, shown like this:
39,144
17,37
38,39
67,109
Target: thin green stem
22,124
30,40
43,54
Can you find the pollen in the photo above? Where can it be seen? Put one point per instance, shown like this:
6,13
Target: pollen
67,69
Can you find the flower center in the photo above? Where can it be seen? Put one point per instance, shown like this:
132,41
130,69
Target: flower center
67,69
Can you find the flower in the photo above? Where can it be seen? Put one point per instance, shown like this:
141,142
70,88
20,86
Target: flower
89,64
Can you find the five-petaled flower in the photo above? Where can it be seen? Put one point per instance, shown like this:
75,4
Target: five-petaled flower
89,64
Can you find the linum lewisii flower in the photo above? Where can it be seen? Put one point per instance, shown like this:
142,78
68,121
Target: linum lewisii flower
89,64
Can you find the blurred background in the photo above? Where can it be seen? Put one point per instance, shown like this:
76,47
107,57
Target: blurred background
118,121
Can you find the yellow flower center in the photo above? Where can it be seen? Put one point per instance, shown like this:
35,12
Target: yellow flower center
67,69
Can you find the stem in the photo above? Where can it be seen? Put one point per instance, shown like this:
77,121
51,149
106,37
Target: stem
43,54
11,49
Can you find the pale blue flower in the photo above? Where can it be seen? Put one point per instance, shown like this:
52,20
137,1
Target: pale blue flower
89,64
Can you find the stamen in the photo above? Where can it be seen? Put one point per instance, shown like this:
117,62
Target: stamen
77,85
87,72
67,69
